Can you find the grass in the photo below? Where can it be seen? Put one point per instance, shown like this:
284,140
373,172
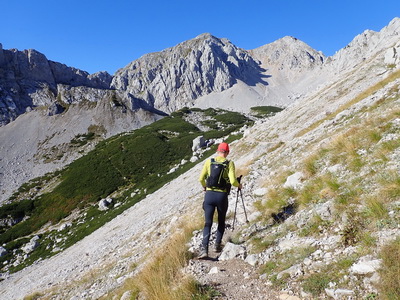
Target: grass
393,76
283,261
314,227
161,278
375,207
316,283
354,169
389,285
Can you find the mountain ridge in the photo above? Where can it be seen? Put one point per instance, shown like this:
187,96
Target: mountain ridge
127,99
313,138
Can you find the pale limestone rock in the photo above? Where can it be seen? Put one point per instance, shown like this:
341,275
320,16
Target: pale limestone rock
366,265
231,251
294,180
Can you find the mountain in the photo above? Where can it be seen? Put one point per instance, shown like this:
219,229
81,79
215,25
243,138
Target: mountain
176,77
204,72
29,80
321,186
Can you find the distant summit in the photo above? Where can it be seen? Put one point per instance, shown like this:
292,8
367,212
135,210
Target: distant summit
29,80
177,76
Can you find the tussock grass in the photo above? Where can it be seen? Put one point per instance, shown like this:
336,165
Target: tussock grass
34,296
162,278
316,283
352,102
314,227
375,207
276,200
390,185
319,189
310,165
390,280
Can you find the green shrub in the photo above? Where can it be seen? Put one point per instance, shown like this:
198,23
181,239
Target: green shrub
17,209
261,111
129,161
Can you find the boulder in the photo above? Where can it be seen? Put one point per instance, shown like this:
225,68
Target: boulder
339,293
32,245
104,204
214,270
3,251
252,259
260,192
194,159
232,251
198,143
294,180
366,265
55,109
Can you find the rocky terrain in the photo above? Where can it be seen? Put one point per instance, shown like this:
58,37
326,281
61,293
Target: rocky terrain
204,72
309,173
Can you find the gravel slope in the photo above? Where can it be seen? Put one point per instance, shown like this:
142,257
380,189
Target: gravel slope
107,253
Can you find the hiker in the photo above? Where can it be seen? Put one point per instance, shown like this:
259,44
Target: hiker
217,176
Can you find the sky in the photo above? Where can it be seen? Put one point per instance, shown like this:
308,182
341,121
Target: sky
101,35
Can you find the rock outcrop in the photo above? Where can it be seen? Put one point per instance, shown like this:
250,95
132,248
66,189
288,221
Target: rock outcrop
28,79
174,78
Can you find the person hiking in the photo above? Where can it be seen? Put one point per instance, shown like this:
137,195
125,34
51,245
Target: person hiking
216,177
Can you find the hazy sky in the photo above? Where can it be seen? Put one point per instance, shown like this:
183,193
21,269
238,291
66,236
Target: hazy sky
100,35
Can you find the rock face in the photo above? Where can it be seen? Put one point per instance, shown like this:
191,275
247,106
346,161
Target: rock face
290,55
364,45
174,78
277,73
28,80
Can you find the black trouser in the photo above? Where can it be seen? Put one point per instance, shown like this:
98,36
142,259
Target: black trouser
214,200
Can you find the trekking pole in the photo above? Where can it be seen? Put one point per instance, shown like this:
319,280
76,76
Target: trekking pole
244,208
237,199
234,216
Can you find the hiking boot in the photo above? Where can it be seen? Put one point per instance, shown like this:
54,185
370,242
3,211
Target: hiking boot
218,247
203,253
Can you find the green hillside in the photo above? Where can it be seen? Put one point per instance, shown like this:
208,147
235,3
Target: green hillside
126,167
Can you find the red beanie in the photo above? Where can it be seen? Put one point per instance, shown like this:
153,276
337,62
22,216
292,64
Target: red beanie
223,147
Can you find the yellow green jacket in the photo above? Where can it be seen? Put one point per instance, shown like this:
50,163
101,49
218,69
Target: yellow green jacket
230,176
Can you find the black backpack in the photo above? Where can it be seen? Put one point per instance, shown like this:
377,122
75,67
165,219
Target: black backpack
216,178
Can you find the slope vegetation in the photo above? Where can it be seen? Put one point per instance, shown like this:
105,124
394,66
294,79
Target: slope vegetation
119,172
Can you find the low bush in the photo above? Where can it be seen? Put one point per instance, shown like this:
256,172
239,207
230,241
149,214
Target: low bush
139,160
262,111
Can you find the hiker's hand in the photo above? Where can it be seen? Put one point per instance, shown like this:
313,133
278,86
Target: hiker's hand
204,188
240,186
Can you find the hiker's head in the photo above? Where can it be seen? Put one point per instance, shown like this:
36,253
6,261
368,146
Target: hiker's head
223,149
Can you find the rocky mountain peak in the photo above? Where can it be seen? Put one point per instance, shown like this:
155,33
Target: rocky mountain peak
367,44
174,77
289,53
28,79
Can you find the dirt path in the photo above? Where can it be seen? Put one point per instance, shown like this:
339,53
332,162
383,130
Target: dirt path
233,279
